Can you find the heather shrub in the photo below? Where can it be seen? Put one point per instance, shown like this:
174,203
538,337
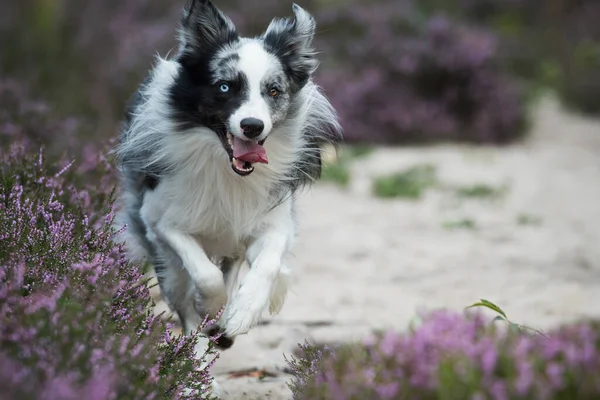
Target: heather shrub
30,120
579,58
518,24
85,56
550,44
75,319
427,79
455,356
396,76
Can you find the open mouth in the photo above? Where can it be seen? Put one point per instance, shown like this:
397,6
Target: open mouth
244,154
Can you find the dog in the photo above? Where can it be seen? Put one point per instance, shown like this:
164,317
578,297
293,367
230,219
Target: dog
215,146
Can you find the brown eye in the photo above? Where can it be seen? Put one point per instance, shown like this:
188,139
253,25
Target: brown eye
273,92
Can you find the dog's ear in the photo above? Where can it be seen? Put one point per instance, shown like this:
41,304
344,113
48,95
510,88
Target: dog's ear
204,26
291,41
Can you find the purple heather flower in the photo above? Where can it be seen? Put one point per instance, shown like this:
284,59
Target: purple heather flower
466,353
74,318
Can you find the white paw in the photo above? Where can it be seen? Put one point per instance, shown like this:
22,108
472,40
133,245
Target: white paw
245,310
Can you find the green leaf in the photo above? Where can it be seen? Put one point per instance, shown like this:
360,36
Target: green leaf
490,305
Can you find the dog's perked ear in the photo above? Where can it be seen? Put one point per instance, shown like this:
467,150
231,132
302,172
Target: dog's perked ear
204,26
291,41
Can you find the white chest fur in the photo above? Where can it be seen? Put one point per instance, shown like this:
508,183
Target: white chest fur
206,199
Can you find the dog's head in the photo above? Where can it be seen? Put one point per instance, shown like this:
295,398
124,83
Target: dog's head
241,88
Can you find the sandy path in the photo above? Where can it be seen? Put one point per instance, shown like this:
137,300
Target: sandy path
363,263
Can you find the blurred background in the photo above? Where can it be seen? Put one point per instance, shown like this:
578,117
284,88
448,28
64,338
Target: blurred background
399,71
471,167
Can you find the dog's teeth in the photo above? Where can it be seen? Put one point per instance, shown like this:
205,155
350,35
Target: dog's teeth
241,165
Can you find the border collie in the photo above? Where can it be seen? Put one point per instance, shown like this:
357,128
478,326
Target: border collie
215,145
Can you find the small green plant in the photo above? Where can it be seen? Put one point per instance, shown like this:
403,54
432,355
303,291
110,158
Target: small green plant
338,171
502,316
480,190
357,151
528,219
464,223
408,184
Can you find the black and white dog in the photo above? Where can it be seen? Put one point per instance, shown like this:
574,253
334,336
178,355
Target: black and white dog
215,145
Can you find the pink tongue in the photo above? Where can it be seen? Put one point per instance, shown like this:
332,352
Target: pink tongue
249,151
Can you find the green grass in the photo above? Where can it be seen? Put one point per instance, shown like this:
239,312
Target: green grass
408,184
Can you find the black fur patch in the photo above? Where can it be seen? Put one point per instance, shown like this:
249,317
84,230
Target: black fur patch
205,26
151,181
198,101
291,42
195,96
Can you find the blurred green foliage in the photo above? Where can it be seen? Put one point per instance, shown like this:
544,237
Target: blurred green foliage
408,184
338,171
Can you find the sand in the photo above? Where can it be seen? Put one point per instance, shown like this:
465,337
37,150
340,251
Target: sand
363,263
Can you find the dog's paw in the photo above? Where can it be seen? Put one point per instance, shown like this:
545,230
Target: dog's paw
223,342
245,310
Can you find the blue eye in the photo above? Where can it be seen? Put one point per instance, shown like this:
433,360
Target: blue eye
224,87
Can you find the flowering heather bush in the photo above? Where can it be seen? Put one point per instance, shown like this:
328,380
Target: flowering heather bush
395,77
450,356
552,44
30,121
74,315
412,85
85,56
75,318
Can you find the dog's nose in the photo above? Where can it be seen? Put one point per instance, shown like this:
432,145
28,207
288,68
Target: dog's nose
252,127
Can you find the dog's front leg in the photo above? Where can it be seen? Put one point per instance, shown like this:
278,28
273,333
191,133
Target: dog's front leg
211,293
264,282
